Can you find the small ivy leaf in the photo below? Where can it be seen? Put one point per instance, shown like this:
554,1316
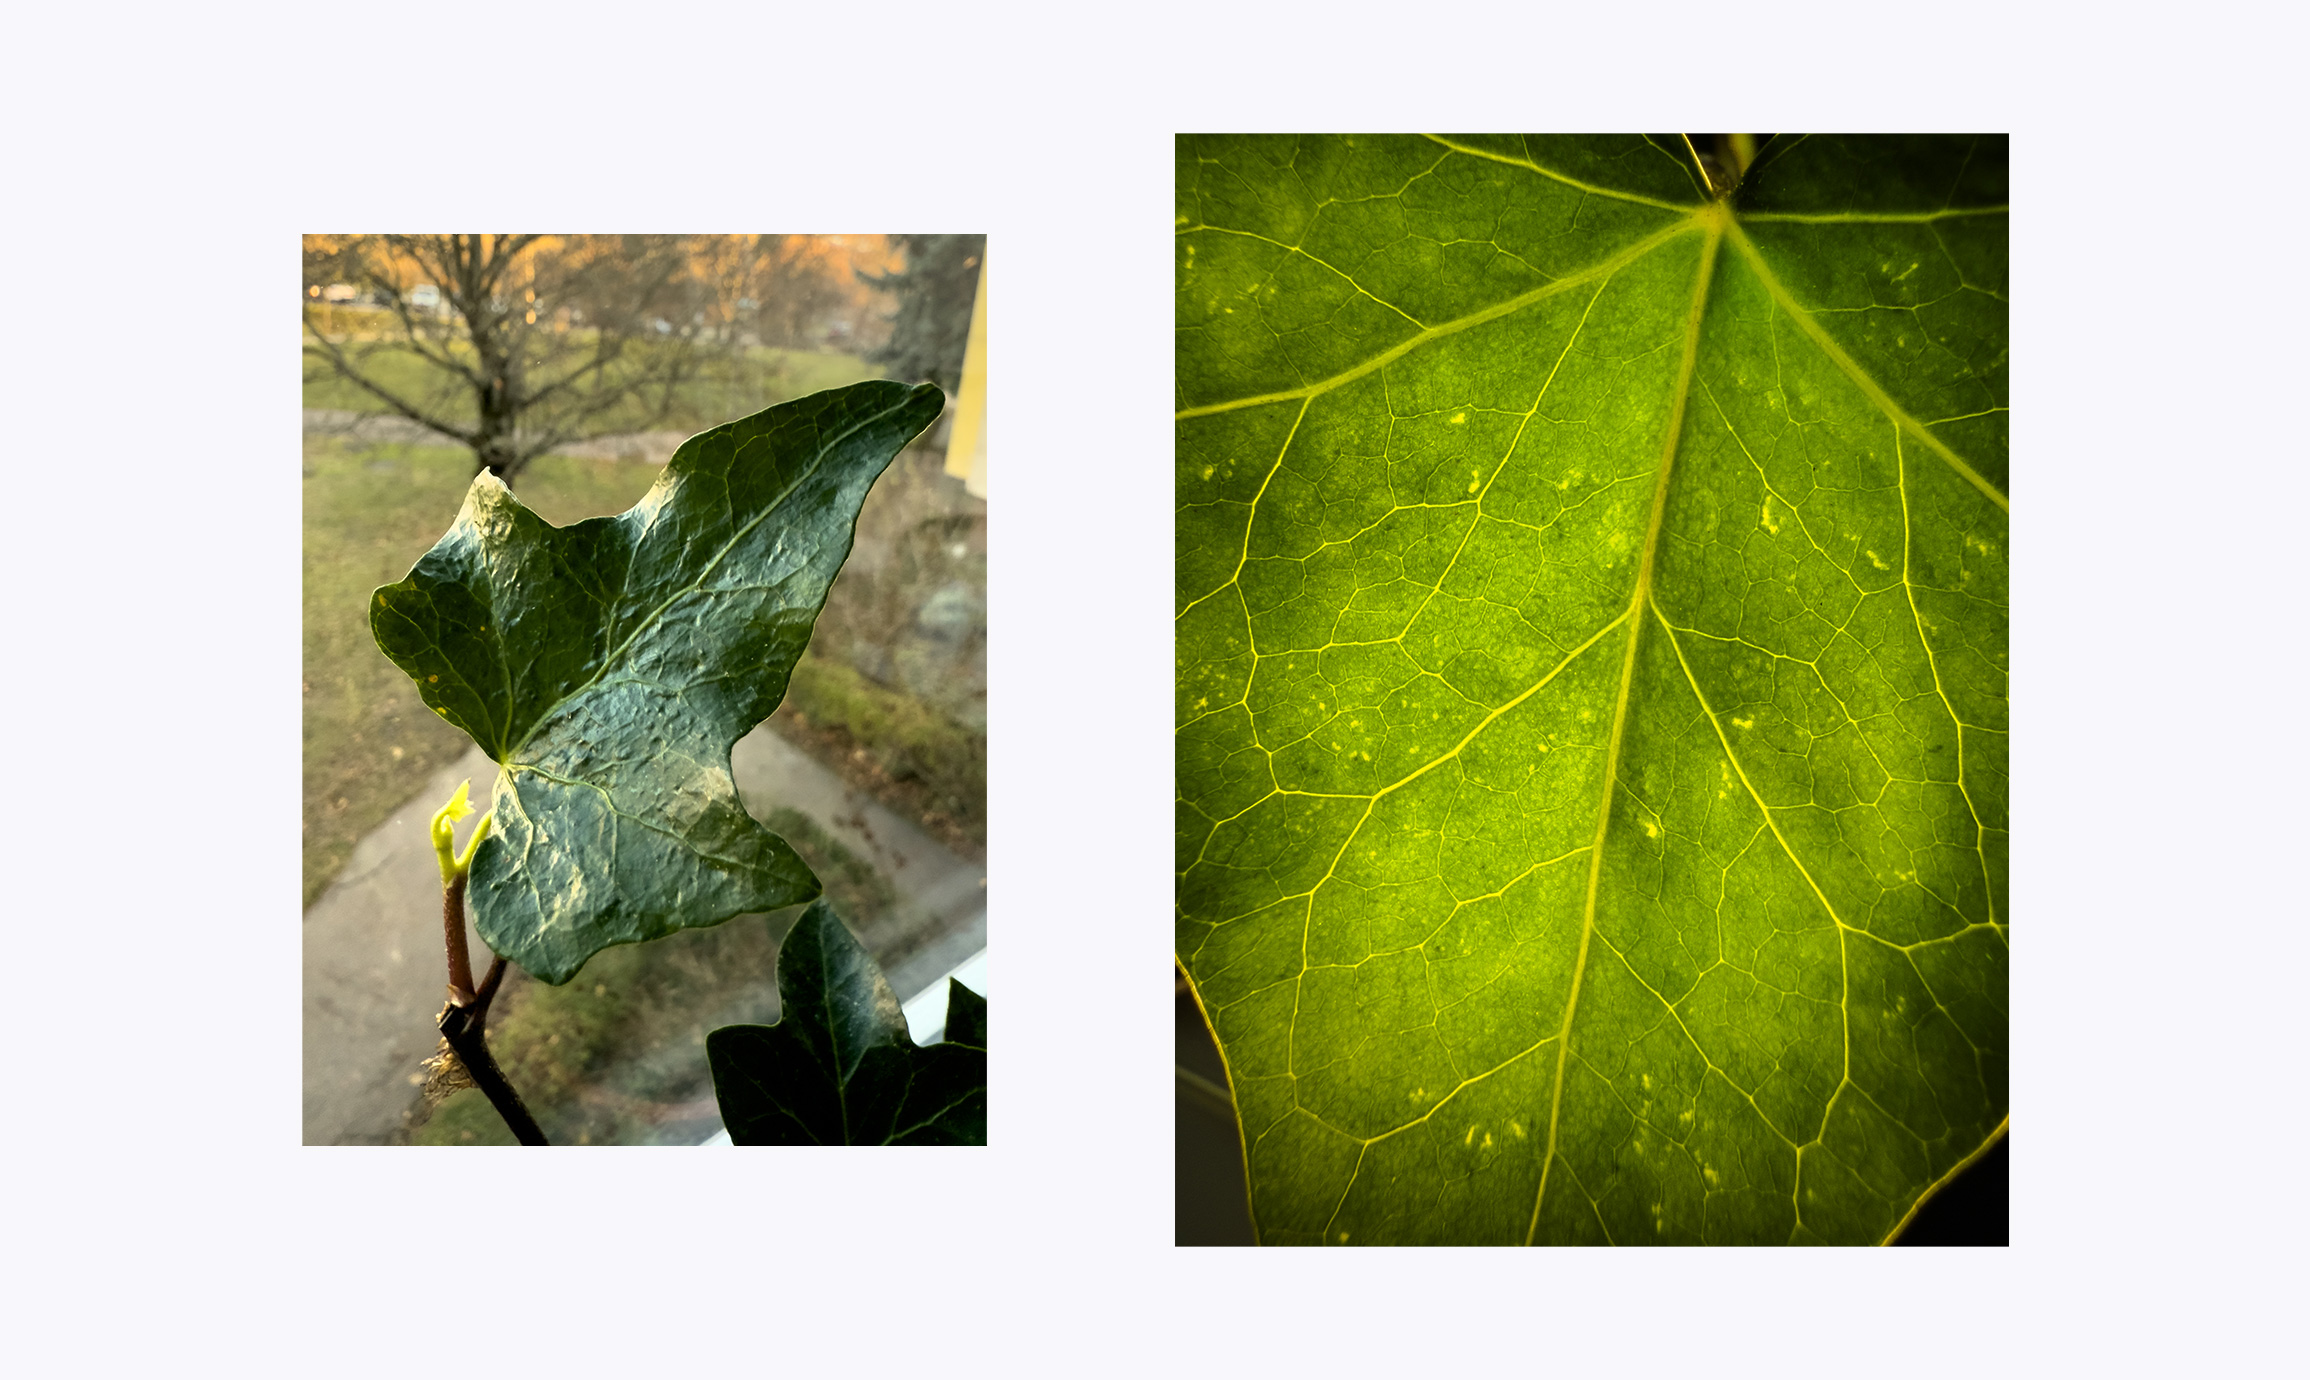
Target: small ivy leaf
608,667
839,1068
966,1016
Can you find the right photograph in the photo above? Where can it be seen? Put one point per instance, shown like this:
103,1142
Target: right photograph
1591,644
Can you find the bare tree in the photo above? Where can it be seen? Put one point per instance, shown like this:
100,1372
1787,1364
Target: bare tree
515,344
777,290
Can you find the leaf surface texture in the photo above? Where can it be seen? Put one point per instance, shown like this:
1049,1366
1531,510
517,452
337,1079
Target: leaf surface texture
609,666
1591,721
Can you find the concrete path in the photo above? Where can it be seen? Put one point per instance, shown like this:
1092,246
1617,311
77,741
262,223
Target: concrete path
375,974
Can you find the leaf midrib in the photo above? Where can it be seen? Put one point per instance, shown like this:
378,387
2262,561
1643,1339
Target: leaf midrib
1639,597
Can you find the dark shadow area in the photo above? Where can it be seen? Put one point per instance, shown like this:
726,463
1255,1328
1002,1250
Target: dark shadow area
1971,1210
1210,1208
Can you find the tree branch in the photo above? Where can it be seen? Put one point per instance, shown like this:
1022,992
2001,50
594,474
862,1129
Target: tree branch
329,350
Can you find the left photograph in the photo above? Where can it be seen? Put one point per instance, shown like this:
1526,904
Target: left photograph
644,689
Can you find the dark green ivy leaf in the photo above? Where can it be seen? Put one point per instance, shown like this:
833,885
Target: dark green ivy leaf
966,1016
1592,679
609,666
839,1067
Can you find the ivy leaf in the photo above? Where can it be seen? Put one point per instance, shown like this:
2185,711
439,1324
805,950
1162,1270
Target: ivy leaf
608,667
1592,679
966,1016
839,1068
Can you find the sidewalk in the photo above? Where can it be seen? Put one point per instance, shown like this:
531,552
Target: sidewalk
374,970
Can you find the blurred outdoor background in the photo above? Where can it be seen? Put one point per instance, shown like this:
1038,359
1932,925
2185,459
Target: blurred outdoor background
572,366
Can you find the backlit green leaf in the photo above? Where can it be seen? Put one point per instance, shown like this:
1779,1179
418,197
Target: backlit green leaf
839,1067
1592,679
608,667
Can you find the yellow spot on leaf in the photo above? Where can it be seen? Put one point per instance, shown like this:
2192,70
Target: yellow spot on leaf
1457,418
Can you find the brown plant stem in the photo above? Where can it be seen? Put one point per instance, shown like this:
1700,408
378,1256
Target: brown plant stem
453,937
465,1020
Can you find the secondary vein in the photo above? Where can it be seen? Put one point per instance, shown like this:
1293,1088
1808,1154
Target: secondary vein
1550,173
1852,370
1477,318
